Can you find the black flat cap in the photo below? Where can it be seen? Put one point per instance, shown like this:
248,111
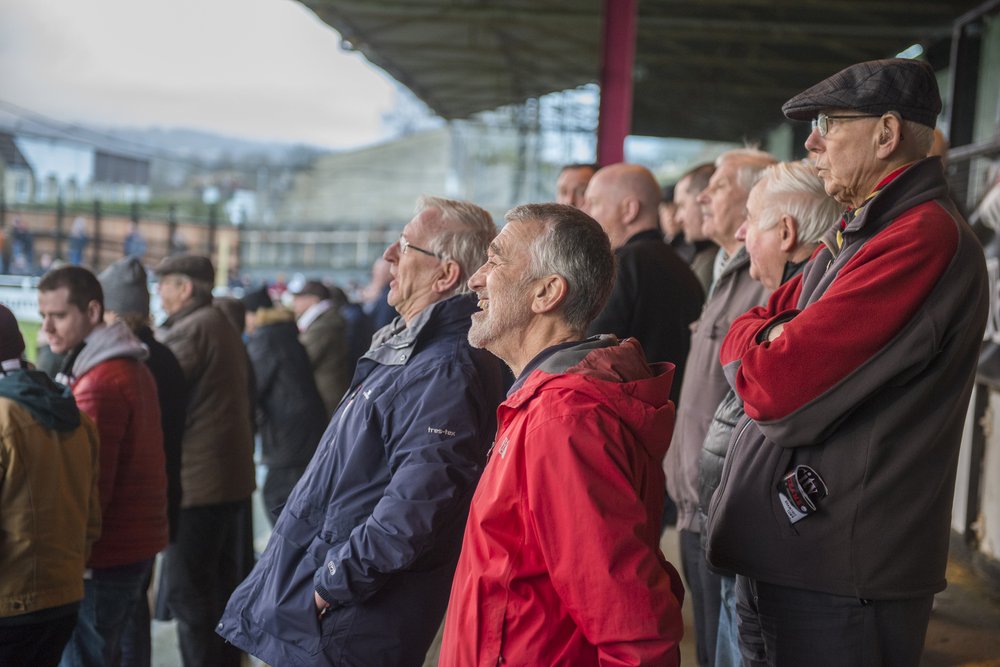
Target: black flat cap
313,288
195,267
875,87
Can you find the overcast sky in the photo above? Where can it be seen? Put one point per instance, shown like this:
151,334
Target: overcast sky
261,69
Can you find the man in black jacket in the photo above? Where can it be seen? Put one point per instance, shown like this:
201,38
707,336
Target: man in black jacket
290,415
656,296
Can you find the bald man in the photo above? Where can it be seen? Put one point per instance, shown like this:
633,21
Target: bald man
656,295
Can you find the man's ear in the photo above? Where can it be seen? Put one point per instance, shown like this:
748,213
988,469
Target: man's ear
629,209
450,275
95,312
548,293
186,289
890,134
788,233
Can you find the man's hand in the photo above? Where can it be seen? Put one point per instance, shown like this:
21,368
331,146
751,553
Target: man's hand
322,606
775,332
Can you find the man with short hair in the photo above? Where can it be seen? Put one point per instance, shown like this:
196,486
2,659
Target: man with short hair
688,216
360,561
51,514
213,549
733,292
572,183
561,562
656,297
323,333
104,368
837,494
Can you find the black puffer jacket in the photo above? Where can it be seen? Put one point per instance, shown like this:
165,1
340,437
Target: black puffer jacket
290,413
716,446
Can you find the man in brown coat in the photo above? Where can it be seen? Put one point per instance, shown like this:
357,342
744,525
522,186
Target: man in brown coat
213,550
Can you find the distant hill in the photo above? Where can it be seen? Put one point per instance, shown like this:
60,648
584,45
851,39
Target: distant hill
209,147
158,142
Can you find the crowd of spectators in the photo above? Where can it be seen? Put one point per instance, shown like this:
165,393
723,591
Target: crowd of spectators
773,357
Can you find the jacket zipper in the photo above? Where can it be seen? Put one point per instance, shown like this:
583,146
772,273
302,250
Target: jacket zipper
726,467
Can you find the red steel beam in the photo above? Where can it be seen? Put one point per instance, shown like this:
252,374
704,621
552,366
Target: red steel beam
617,58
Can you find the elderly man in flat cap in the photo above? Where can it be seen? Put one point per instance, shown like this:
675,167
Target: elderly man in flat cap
212,551
835,503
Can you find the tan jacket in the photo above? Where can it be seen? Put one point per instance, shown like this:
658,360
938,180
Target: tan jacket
325,340
734,293
217,449
49,510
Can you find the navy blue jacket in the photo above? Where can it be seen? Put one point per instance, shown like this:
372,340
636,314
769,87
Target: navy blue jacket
375,524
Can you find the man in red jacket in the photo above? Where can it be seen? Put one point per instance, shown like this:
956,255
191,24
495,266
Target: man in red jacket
105,370
834,507
560,562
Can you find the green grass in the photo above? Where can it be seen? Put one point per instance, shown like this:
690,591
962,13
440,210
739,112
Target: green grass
30,332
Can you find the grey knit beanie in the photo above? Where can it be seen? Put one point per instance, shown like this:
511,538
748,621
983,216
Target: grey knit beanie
125,288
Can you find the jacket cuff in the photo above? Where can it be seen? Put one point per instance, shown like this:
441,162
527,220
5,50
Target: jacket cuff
780,318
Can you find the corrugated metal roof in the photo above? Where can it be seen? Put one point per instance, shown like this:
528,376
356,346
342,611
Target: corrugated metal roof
705,69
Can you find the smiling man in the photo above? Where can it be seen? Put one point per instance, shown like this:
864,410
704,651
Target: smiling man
835,502
368,540
560,563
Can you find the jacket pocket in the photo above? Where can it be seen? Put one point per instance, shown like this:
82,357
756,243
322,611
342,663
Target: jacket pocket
283,605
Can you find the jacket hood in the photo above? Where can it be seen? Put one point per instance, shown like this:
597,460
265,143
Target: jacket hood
51,404
108,342
616,373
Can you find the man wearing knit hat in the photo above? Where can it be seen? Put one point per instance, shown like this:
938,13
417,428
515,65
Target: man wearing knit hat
104,368
835,503
51,513
213,549
126,299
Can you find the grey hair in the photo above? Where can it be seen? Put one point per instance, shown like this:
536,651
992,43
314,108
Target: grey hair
574,246
465,233
751,164
921,135
795,188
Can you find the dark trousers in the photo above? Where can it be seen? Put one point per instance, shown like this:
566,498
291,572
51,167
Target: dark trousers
136,645
705,588
782,626
212,554
36,644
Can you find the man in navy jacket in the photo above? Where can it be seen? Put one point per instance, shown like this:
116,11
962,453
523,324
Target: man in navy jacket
359,566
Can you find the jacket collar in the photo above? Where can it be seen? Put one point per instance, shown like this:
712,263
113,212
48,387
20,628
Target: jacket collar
394,344
739,261
920,182
193,304
644,235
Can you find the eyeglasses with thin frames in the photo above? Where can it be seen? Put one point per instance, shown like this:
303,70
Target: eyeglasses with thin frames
405,245
822,121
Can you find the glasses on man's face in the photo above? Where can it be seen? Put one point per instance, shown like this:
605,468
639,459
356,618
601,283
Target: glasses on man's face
822,121
405,245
